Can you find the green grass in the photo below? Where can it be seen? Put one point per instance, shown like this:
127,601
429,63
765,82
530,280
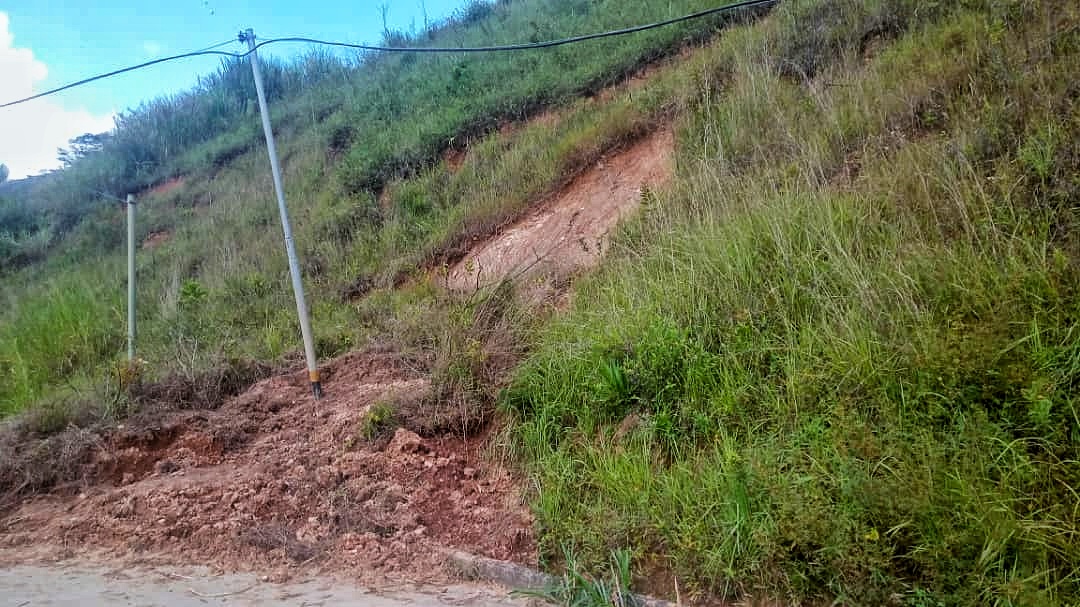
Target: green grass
840,361
74,328
578,588
385,116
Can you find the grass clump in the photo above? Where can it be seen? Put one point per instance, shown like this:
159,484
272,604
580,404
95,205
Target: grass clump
578,588
378,422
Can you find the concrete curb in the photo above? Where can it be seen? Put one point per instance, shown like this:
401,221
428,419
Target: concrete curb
517,577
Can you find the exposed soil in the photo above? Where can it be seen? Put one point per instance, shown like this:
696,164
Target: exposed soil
570,231
273,480
166,187
156,239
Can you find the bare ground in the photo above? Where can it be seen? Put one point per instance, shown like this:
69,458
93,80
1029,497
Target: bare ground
570,231
273,481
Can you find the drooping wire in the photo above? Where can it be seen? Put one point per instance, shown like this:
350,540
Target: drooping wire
525,46
209,51
118,72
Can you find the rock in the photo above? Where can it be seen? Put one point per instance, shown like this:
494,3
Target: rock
406,441
166,466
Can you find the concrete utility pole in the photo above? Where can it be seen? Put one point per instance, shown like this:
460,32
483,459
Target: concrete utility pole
131,276
290,248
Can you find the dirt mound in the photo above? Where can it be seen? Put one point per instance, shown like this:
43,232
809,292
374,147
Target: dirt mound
274,480
570,231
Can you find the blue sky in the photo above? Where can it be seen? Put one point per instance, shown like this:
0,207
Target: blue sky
46,43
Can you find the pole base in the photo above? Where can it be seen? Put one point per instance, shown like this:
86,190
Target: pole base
316,390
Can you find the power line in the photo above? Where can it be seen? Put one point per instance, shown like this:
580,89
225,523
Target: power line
526,46
118,72
218,45
209,51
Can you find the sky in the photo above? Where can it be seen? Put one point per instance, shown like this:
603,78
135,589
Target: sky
48,43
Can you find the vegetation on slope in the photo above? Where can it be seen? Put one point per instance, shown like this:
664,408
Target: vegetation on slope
841,360
838,361
216,289
381,116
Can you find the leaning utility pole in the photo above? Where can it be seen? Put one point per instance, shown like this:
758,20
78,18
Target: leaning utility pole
290,248
131,276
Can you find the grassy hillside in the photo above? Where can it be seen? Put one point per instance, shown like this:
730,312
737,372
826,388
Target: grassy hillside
346,129
837,362
841,360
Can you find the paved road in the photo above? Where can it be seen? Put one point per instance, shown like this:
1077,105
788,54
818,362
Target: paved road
36,586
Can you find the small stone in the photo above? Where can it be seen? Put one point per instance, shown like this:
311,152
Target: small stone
469,472
328,476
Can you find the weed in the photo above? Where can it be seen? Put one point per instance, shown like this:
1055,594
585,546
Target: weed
579,589
377,422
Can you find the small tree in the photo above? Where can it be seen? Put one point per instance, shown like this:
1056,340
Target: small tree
81,147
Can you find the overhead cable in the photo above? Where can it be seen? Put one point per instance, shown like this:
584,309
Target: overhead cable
209,51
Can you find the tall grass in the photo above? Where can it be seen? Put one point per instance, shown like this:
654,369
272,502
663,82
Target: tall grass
840,361
74,325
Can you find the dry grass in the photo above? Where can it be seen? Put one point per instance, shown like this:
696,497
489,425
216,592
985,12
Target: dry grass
205,389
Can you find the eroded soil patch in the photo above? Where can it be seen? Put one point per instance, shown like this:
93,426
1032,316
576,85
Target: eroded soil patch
570,231
166,187
274,480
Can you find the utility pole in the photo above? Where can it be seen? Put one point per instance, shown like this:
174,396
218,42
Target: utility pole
290,248
131,276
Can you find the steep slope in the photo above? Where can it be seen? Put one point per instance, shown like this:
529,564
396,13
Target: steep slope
837,362
570,232
833,360
347,132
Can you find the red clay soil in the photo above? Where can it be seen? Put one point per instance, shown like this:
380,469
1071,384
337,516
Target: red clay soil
570,231
275,481
156,239
166,187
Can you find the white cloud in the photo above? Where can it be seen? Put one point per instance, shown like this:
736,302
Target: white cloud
152,49
31,132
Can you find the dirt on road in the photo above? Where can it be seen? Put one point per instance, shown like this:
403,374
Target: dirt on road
79,584
274,481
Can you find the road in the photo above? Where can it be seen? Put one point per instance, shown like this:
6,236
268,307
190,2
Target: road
37,586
